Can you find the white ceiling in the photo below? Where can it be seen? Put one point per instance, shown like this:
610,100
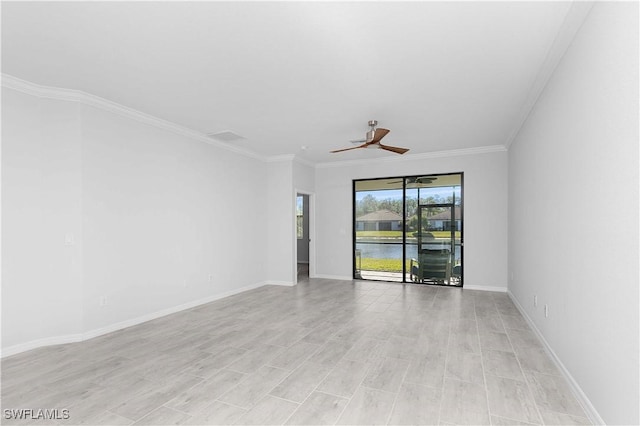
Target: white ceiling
440,75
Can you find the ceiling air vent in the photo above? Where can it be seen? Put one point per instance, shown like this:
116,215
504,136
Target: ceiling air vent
226,136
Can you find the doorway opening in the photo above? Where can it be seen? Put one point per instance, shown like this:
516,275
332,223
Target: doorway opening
302,237
409,229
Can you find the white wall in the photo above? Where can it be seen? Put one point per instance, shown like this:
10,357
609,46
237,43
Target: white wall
285,177
575,164
162,213
41,276
152,213
279,222
304,177
485,211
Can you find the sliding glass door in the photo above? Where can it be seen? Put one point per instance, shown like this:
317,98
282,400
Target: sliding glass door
409,229
379,229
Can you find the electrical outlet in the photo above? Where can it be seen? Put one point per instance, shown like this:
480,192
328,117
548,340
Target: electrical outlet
535,301
103,300
210,278
546,311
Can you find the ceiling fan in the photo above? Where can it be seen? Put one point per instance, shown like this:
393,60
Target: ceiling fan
374,135
422,180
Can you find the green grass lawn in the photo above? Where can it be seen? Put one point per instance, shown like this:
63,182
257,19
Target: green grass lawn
383,265
397,234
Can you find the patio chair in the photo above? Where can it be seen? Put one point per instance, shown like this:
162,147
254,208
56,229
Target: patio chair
431,267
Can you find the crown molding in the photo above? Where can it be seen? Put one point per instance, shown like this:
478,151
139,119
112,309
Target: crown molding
422,156
573,20
63,94
72,95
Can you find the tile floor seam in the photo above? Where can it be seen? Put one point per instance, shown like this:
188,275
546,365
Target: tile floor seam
376,389
315,389
156,409
505,377
533,400
281,398
516,420
177,409
484,372
570,393
565,414
364,376
393,405
444,372
231,404
482,363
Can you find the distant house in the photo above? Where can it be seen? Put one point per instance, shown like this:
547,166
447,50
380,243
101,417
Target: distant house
442,221
381,220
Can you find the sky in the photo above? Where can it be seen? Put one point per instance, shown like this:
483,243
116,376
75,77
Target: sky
394,194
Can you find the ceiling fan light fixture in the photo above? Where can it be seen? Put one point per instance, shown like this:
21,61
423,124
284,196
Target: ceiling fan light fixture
370,134
374,135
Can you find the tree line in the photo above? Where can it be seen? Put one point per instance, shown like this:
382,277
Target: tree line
369,204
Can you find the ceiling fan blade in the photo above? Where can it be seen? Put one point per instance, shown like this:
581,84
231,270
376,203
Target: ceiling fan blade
348,149
394,149
379,134
425,179
415,181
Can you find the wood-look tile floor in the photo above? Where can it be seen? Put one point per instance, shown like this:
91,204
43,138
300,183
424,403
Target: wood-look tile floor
323,352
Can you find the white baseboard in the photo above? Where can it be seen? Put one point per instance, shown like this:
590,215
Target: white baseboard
282,283
75,338
172,310
47,341
484,288
582,398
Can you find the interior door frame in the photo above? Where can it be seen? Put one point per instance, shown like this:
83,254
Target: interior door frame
404,234
312,239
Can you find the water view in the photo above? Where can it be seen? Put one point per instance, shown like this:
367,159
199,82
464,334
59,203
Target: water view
378,250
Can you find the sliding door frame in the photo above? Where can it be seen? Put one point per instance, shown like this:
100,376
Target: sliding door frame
404,216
